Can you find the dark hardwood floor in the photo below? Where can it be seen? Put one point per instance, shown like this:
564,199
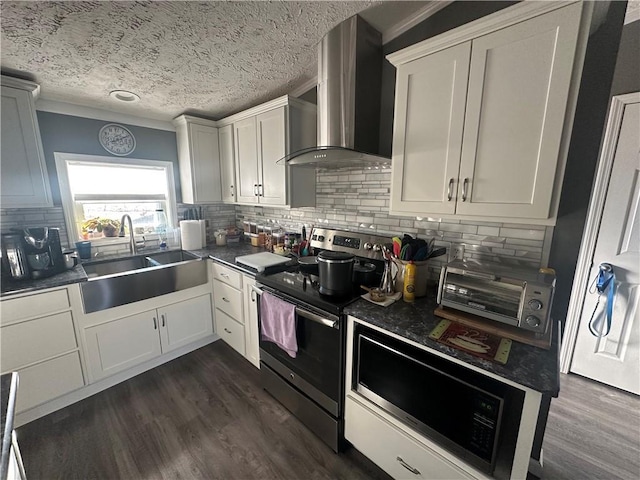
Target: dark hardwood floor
205,415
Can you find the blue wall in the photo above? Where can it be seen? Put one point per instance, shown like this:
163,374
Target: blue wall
69,134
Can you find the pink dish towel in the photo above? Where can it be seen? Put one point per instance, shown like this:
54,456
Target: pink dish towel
278,320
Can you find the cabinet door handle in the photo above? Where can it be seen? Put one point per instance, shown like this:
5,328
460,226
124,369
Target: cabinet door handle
464,189
260,190
225,299
415,471
227,330
253,296
449,194
155,323
163,322
255,189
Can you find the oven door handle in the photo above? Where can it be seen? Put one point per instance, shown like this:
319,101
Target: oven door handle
316,318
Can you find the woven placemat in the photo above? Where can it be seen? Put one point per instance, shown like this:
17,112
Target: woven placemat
472,340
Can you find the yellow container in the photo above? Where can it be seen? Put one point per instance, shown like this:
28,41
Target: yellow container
409,290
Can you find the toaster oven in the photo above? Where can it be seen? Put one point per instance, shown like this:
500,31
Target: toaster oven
513,295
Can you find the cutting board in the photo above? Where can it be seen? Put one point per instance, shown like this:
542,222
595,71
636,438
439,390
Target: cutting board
260,261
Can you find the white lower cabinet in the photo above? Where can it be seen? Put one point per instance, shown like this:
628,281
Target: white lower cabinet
230,331
236,307
251,333
126,342
393,450
42,348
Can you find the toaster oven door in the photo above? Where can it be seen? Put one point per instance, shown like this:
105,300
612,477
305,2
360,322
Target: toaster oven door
483,295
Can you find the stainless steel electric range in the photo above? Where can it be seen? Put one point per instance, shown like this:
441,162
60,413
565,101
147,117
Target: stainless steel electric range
311,385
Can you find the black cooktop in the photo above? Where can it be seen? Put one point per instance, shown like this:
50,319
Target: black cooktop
304,287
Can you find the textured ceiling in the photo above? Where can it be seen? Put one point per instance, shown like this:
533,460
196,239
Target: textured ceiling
212,57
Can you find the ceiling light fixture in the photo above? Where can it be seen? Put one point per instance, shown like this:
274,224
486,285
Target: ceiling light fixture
124,96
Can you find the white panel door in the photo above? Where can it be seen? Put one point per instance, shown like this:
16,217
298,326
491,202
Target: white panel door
272,141
24,180
185,322
430,103
122,344
246,151
614,359
518,90
227,164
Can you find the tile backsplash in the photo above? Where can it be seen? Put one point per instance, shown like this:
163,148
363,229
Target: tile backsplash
356,200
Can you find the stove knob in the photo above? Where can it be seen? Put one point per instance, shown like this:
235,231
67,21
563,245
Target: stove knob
321,238
535,304
367,246
532,321
377,247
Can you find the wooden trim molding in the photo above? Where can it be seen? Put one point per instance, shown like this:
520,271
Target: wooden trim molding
399,28
496,21
592,226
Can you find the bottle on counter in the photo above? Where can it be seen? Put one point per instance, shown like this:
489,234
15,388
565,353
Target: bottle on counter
409,290
160,227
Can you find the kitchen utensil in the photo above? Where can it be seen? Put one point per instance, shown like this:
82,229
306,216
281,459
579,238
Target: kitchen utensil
438,252
335,270
70,259
397,246
304,250
421,254
387,285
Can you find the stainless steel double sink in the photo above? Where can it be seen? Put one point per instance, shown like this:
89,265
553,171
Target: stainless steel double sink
126,280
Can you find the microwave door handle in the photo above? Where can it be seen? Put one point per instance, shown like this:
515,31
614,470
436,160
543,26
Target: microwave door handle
316,318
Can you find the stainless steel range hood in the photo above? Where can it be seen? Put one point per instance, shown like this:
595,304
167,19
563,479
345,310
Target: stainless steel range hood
349,87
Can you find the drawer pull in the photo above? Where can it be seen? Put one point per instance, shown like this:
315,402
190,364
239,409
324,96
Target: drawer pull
415,471
225,275
227,330
225,299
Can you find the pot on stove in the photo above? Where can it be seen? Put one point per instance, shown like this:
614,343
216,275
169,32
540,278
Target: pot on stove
364,273
335,270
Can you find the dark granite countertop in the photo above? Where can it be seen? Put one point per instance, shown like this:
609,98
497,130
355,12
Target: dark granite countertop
8,392
75,275
530,366
224,254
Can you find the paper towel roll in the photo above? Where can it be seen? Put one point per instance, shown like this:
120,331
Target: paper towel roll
190,235
203,231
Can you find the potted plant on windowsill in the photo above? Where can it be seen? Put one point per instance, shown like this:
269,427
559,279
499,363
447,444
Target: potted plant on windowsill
107,226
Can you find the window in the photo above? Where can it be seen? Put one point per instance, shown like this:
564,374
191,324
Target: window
97,191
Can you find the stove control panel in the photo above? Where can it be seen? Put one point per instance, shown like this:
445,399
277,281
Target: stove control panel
360,244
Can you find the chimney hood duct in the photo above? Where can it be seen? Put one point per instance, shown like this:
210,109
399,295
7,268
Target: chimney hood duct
349,88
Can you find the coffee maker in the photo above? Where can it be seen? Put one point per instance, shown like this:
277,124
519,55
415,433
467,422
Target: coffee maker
44,252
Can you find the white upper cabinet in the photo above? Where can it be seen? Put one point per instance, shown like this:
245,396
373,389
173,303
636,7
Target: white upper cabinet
481,127
431,99
227,164
24,180
246,152
198,159
262,136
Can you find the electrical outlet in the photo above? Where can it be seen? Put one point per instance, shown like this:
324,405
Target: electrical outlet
456,252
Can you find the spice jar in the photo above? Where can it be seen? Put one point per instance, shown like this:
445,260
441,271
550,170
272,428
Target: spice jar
221,237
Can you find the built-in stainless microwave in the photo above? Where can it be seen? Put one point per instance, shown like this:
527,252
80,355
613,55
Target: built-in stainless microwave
517,296
474,416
